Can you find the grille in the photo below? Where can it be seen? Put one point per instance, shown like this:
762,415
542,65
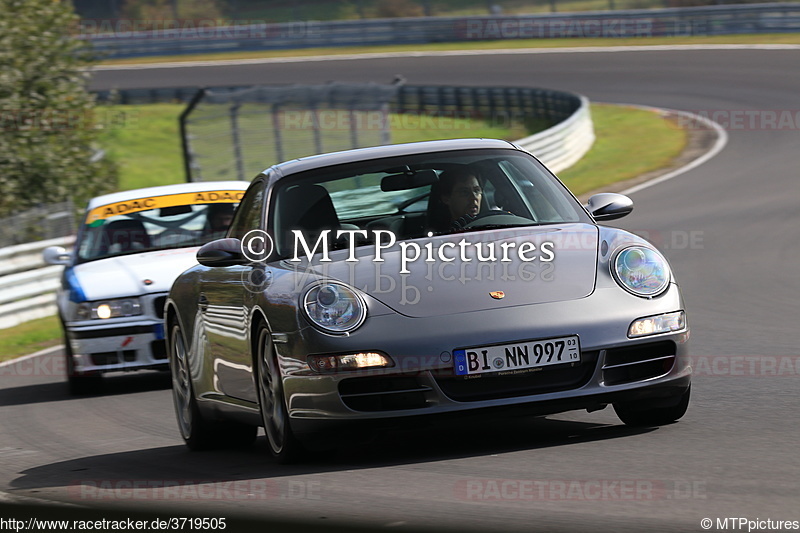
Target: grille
383,393
635,363
548,379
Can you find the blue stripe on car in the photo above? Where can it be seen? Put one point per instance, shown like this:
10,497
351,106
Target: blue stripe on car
76,293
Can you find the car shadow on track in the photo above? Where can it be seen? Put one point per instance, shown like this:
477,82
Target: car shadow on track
85,478
34,391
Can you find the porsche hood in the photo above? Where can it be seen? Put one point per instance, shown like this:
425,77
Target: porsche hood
496,268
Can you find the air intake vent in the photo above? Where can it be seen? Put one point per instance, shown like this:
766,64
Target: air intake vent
636,363
383,393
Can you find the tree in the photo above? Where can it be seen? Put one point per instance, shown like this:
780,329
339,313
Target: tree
48,123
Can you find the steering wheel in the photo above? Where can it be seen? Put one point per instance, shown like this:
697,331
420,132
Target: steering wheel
495,217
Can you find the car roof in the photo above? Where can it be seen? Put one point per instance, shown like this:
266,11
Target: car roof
392,150
177,188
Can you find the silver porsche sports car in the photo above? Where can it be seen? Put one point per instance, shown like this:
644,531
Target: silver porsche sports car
421,280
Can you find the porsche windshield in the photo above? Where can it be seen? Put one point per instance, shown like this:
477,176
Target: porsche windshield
163,222
415,196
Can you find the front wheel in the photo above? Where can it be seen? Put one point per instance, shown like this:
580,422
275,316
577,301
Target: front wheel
199,433
282,443
653,414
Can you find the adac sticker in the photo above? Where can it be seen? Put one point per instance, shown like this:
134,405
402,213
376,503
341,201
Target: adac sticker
155,202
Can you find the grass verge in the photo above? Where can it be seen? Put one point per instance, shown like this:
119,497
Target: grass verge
29,337
629,142
767,38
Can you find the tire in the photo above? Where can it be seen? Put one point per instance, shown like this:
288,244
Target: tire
638,414
283,445
79,384
199,433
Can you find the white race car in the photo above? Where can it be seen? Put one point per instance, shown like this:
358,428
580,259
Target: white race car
130,248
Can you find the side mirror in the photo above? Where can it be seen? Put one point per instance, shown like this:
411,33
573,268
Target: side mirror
221,253
609,206
56,255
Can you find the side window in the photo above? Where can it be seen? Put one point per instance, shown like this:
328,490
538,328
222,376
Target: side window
248,215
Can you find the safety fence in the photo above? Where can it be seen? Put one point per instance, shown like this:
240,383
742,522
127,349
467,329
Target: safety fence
235,133
123,38
47,221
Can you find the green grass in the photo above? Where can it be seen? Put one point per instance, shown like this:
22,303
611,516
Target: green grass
145,142
767,38
29,337
629,143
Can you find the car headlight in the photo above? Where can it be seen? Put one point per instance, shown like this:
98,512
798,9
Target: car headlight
334,307
641,271
108,309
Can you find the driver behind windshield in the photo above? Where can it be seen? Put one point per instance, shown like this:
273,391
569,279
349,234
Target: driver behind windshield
219,217
461,193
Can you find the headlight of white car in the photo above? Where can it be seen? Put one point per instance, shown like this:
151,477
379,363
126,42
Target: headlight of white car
334,307
108,309
641,271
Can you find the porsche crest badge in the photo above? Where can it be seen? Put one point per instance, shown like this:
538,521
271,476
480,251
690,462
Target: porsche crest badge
497,295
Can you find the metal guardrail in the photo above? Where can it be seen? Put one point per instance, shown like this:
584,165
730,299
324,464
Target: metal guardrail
27,285
564,144
558,147
641,23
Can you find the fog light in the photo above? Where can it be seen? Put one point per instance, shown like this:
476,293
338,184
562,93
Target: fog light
351,361
653,325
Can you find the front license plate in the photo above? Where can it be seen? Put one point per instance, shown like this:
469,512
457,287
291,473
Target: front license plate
517,356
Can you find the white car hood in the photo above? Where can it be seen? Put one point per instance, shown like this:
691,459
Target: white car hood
121,276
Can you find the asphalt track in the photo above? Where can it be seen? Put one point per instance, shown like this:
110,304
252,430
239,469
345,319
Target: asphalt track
730,228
